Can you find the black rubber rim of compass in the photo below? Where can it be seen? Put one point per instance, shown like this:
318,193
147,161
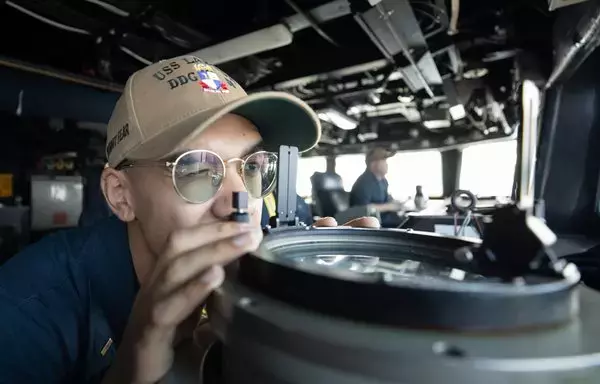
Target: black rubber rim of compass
374,301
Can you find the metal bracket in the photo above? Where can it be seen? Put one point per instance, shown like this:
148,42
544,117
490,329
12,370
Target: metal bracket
287,170
516,244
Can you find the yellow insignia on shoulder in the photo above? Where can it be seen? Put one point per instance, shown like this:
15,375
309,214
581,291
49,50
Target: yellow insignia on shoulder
106,347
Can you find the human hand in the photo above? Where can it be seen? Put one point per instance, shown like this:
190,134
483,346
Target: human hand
361,222
189,269
398,206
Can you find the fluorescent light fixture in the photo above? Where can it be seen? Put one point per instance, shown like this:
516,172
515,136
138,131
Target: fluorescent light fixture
436,124
405,99
338,119
457,112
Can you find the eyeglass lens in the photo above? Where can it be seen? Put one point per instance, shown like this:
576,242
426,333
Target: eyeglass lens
198,175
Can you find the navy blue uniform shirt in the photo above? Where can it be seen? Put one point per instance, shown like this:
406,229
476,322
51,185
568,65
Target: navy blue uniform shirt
369,190
64,304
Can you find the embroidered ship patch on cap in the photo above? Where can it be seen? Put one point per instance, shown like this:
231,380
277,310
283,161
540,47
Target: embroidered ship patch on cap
209,80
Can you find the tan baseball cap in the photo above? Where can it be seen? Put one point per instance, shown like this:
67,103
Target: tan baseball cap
167,104
378,153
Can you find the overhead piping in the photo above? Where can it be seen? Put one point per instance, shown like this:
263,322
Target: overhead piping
347,71
46,20
69,28
109,7
266,39
276,36
135,55
59,75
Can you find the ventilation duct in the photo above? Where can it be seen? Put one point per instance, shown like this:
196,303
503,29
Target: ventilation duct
267,39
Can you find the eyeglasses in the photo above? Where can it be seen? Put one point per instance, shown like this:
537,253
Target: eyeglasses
198,175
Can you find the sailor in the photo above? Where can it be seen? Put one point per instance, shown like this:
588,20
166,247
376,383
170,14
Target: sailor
371,188
108,303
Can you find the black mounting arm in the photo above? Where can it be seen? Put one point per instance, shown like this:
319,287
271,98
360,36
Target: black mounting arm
516,244
287,170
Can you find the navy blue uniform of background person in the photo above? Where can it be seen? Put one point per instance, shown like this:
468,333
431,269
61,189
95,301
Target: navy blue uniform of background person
370,189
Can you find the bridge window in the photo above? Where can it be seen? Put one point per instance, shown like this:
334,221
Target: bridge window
488,169
306,167
406,170
349,167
